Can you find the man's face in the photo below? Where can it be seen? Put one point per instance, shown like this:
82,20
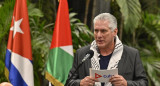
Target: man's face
103,35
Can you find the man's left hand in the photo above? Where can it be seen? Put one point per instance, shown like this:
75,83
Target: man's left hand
118,80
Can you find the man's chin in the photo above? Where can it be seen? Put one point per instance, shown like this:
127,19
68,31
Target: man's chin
100,46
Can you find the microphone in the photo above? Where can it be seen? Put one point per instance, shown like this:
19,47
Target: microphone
88,55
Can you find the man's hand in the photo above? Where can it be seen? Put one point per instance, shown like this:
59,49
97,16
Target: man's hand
88,81
118,80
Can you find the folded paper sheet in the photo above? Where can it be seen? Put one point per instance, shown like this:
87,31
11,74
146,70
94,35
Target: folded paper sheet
103,75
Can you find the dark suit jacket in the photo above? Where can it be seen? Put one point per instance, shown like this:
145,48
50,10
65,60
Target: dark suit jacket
130,67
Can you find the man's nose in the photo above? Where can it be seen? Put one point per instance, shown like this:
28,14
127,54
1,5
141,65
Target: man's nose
99,34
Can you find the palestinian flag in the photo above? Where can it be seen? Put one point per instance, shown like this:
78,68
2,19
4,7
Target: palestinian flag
61,51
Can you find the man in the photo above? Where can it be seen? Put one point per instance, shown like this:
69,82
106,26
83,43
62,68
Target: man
109,53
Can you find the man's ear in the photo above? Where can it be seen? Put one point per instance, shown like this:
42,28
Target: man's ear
115,32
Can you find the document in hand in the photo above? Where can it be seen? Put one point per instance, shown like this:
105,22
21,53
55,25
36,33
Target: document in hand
103,75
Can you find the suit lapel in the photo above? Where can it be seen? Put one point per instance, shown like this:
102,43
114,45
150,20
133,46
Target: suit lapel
121,66
87,65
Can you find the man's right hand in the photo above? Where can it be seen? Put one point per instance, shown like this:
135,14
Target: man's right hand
88,81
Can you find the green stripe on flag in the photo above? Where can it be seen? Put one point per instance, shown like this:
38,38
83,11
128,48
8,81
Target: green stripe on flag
58,65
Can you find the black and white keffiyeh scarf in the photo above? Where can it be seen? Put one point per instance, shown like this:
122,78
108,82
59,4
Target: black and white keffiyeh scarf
114,60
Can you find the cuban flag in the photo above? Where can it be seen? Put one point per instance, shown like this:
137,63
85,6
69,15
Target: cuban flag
18,59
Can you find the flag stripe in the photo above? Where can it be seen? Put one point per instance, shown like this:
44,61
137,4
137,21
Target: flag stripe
25,69
13,72
7,59
68,49
59,67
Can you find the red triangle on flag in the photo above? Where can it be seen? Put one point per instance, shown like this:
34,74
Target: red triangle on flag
97,75
62,31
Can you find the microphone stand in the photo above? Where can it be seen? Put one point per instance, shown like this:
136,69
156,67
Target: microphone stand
72,74
88,57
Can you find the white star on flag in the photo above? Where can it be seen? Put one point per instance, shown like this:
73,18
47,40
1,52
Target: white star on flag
16,26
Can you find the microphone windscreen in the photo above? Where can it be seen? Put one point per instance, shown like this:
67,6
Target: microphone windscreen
91,53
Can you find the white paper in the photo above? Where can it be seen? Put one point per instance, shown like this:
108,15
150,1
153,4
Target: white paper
103,75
